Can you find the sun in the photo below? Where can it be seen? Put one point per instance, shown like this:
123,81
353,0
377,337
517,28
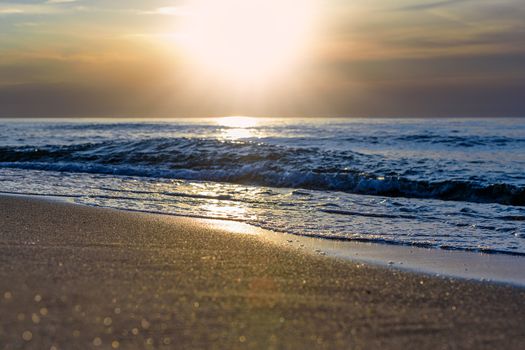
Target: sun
247,40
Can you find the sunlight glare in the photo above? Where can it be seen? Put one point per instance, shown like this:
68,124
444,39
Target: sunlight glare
247,40
236,227
238,122
237,127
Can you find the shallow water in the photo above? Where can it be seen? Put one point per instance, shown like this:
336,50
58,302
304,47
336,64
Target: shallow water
452,184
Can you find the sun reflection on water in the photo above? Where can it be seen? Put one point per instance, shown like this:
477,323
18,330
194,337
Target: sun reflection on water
227,211
232,212
237,127
238,122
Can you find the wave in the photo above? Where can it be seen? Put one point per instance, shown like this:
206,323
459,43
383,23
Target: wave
454,139
250,163
461,141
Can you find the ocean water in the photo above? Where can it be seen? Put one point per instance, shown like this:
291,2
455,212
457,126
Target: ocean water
442,183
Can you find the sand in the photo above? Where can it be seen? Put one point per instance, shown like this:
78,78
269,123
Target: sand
76,277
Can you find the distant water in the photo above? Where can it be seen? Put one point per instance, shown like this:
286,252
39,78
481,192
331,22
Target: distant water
451,184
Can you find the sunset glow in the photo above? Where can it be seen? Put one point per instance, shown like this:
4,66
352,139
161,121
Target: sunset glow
260,174
247,40
271,58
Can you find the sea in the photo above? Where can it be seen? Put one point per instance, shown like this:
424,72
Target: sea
453,184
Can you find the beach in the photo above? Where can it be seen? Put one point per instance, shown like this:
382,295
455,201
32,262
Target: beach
262,174
76,277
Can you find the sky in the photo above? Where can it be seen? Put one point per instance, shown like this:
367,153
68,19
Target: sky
300,58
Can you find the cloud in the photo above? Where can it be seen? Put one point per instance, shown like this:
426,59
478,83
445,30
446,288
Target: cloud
60,1
431,5
28,9
10,11
167,11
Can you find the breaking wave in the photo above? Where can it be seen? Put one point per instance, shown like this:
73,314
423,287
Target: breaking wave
254,163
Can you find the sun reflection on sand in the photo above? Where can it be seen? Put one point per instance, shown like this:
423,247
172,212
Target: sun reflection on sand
236,227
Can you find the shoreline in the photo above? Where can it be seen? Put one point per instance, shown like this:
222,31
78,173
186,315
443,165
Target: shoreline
464,265
75,276
474,266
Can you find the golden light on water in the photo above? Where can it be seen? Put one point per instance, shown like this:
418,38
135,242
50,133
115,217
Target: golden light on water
230,211
223,210
238,122
247,41
237,127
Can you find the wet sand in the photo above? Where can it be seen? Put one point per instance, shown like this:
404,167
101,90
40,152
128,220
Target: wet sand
75,277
